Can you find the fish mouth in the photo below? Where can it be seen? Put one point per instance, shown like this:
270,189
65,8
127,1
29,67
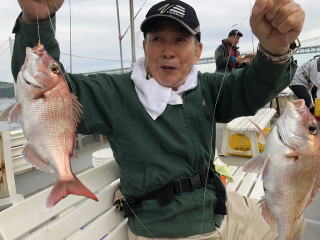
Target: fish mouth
26,76
31,84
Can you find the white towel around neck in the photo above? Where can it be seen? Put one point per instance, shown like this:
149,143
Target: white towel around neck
155,97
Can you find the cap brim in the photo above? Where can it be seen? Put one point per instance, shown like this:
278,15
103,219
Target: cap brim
146,23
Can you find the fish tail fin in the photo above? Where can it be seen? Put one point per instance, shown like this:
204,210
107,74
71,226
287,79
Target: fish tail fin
63,188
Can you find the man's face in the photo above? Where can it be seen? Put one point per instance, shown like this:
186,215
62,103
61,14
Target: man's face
234,40
170,53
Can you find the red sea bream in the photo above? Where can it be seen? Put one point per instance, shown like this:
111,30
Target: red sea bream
290,183
49,114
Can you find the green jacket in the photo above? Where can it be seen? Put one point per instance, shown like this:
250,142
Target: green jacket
174,146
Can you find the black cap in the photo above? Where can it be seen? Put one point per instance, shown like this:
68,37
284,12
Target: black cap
175,10
235,32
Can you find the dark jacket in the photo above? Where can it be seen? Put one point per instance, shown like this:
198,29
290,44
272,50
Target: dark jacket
222,59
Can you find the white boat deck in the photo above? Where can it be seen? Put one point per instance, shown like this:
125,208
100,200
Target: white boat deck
34,181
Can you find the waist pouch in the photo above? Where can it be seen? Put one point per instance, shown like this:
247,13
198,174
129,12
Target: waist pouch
166,194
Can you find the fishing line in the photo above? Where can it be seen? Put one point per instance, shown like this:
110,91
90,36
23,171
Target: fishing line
67,75
134,18
250,7
92,58
54,32
70,25
210,155
84,120
213,126
38,26
211,140
138,219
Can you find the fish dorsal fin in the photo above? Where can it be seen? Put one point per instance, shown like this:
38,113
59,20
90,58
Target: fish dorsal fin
35,160
77,109
76,105
256,163
262,135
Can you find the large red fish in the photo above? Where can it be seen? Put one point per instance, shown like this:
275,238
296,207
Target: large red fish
290,184
49,114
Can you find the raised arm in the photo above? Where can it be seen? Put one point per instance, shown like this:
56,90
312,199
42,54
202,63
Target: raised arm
26,30
95,92
276,23
33,10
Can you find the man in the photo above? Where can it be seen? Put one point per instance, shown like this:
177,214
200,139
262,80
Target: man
227,54
306,82
160,119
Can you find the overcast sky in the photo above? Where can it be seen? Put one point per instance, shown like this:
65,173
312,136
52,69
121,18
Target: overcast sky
95,32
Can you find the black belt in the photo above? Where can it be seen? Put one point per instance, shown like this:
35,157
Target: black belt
166,194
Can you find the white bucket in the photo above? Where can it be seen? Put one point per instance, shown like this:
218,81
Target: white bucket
101,157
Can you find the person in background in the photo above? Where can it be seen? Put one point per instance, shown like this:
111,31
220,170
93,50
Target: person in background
306,82
160,119
227,55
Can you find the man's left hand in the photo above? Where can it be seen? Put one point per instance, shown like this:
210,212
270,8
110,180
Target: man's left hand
276,23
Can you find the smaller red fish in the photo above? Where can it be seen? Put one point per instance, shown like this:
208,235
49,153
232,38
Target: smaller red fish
290,184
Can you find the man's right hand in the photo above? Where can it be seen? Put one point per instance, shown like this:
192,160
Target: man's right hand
239,60
33,10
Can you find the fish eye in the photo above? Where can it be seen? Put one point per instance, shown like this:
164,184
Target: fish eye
313,129
54,68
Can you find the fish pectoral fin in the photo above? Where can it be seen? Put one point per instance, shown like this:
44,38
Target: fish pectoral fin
256,163
12,113
4,116
35,160
266,215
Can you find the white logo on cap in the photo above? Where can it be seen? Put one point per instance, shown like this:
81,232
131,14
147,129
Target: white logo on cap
173,10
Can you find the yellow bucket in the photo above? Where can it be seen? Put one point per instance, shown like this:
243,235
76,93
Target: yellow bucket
317,107
241,142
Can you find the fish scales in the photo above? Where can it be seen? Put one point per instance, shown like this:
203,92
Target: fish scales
49,114
54,116
290,183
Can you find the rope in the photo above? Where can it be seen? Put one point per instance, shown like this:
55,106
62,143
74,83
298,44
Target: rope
4,44
92,58
133,19
4,51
